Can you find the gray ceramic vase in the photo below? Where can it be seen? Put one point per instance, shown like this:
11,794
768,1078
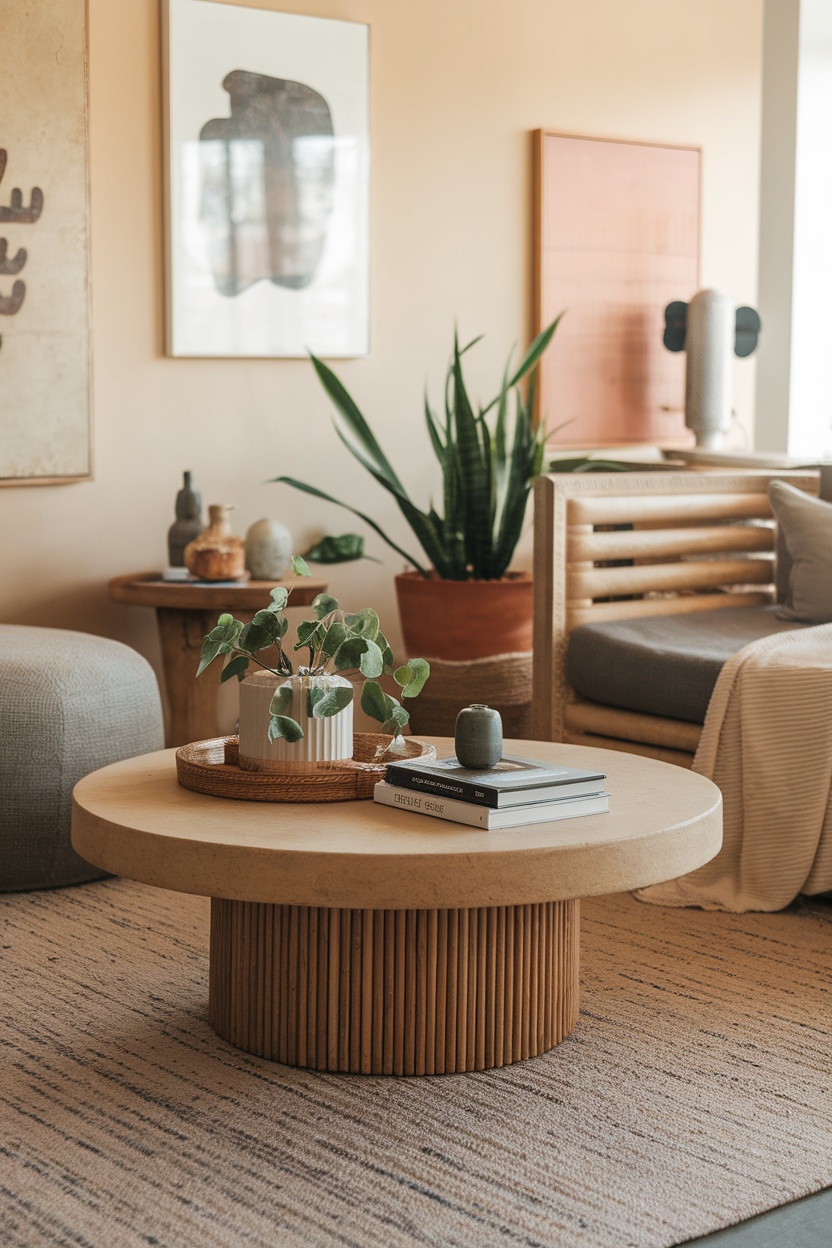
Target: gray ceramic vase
478,738
188,523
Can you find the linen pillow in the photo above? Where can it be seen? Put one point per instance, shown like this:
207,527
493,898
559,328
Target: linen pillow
806,527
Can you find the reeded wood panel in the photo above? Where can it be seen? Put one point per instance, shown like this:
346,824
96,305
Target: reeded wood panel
394,992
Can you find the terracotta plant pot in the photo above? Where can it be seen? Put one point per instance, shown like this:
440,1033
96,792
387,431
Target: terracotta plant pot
460,620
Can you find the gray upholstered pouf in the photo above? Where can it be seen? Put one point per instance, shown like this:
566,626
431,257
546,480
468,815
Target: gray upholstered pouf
69,703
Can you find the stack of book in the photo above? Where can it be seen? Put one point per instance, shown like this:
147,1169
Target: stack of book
513,792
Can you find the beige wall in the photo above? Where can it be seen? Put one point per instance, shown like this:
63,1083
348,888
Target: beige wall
457,85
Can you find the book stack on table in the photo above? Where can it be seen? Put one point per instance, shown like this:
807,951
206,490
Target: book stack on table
513,792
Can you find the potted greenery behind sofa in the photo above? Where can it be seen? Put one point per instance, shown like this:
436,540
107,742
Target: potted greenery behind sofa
461,600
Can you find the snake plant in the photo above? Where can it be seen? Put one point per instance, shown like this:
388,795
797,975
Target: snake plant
335,640
489,458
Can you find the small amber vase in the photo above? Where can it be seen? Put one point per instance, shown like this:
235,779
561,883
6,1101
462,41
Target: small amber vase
217,554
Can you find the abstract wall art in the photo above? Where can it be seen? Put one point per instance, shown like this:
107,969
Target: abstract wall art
616,239
44,247
267,136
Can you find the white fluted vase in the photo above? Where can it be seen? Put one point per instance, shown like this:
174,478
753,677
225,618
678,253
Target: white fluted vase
323,741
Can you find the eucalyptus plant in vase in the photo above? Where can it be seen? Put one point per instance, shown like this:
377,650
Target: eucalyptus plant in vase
298,716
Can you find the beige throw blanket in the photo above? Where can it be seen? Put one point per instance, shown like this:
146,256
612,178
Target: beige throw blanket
767,743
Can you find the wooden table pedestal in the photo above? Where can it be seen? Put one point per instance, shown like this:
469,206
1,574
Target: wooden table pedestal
394,992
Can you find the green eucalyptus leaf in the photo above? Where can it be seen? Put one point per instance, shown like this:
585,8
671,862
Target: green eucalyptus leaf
269,621
324,604
362,624
397,720
299,566
374,701
309,634
327,702
412,676
372,661
224,620
336,549
281,702
334,637
349,653
279,596
236,667
255,637
281,726
386,652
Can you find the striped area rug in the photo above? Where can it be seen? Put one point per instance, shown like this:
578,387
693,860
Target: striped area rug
695,1091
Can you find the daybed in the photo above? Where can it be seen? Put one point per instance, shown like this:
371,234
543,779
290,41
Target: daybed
645,584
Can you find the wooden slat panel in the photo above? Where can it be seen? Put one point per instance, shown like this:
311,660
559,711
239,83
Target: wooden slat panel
333,982
451,994
389,990
367,952
602,612
490,1028
686,509
431,954
588,546
501,984
678,757
442,967
399,978
607,582
355,972
314,989
676,734
379,999
463,1003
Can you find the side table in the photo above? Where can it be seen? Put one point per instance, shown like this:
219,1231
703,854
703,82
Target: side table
185,612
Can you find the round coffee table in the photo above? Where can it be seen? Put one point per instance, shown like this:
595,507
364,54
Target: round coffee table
349,936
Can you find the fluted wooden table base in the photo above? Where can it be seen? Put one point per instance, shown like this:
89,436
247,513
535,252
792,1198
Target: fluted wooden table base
394,992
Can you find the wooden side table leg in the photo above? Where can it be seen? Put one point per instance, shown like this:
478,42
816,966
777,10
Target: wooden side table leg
192,703
503,980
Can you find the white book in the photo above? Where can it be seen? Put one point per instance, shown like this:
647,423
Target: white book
486,816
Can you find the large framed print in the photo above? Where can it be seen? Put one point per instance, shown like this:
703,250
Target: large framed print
44,246
267,159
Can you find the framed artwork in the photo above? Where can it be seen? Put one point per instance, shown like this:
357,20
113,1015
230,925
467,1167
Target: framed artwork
267,160
616,239
44,247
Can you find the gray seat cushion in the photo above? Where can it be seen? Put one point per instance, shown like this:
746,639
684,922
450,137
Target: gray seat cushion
69,703
664,664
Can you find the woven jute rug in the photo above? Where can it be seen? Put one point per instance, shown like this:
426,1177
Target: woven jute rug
695,1091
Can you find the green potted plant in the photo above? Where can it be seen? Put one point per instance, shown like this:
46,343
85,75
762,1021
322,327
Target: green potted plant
489,458
297,716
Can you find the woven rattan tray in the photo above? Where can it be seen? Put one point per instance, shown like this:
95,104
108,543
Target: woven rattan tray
212,767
